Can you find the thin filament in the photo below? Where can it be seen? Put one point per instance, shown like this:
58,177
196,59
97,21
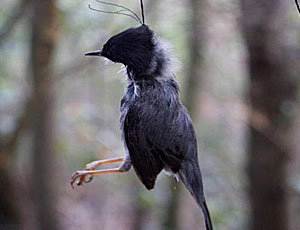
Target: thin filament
142,9
115,12
123,7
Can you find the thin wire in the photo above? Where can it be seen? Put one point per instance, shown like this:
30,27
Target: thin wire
297,4
115,12
123,7
142,9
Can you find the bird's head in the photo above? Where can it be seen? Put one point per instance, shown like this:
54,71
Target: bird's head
133,47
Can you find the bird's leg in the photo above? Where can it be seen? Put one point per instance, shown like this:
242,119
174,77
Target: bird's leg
80,175
94,164
87,177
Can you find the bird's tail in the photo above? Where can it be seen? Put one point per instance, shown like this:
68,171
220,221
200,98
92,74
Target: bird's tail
191,177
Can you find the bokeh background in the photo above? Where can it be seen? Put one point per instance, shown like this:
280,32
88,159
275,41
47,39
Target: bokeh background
238,69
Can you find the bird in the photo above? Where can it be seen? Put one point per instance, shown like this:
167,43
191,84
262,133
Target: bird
157,130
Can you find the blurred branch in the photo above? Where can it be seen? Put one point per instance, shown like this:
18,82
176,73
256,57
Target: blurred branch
75,68
258,123
14,16
8,145
271,139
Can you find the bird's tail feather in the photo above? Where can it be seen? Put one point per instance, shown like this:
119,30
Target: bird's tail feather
191,177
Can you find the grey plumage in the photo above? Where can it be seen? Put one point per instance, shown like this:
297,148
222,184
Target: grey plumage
157,130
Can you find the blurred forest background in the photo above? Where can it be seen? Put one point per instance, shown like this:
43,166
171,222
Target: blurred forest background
239,74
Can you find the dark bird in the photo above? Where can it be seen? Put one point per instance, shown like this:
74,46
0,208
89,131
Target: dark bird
157,130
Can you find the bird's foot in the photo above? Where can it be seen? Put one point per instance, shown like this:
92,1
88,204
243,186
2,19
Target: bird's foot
89,167
86,176
80,177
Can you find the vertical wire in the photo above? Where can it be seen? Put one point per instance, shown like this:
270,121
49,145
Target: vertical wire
142,9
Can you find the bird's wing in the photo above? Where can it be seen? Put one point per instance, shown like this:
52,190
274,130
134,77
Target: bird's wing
172,135
143,156
158,141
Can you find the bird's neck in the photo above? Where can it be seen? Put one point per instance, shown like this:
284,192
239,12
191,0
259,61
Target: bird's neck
154,90
158,72
158,69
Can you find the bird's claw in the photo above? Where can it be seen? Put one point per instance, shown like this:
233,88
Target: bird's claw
79,177
83,176
88,178
88,167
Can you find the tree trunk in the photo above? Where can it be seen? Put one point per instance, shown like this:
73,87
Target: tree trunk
42,47
194,68
9,215
272,94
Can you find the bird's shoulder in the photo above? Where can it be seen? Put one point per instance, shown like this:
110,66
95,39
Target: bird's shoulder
161,119
157,109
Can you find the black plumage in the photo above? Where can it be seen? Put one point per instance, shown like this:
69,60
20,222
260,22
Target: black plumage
157,130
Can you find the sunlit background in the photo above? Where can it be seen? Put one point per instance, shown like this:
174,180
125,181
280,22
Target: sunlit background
83,124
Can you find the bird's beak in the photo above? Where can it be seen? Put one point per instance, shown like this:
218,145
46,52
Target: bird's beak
94,53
